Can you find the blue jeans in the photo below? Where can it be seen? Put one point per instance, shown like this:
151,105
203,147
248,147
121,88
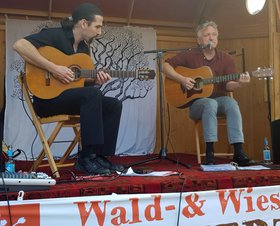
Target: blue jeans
207,110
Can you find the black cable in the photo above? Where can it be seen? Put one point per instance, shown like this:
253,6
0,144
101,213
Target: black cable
7,198
114,177
67,170
180,200
167,130
177,160
18,152
26,112
168,140
168,137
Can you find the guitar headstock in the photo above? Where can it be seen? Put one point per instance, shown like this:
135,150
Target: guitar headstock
263,73
145,74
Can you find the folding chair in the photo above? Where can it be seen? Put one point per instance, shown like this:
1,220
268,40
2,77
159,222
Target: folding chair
197,124
61,121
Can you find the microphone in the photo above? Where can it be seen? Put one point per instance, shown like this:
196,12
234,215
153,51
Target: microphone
207,46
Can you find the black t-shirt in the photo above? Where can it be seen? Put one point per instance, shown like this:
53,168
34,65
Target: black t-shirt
59,38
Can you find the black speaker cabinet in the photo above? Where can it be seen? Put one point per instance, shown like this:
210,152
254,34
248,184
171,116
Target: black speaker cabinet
275,138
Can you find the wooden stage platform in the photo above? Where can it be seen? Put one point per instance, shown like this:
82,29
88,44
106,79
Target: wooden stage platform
73,184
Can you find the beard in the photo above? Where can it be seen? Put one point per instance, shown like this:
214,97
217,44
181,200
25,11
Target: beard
90,40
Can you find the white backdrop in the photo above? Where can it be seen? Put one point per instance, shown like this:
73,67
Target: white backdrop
138,122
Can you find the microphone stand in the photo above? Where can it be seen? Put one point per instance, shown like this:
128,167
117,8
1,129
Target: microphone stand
163,150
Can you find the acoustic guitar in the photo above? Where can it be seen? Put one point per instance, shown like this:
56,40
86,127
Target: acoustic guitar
42,84
178,96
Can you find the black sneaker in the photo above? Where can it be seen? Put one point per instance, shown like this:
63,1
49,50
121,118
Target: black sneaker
241,159
103,161
209,160
91,167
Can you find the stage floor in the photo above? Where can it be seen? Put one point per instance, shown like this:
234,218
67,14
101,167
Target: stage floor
72,183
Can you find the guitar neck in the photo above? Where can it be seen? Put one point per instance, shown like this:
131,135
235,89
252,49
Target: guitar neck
84,73
223,78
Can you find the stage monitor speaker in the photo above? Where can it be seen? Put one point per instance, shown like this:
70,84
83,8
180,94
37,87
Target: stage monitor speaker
275,138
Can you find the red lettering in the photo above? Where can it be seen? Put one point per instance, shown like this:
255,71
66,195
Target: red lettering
225,200
155,208
121,218
249,200
275,200
192,208
262,200
84,214
135,211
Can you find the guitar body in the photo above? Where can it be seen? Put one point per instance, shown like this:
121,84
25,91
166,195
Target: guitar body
179,96
43,85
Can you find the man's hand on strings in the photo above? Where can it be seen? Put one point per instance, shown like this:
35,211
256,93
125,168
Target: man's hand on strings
63,74
244,78
241,82
188,83
102,77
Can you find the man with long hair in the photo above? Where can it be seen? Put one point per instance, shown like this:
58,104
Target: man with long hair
99,115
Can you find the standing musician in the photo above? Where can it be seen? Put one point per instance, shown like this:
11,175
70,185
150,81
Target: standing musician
99,115
218,103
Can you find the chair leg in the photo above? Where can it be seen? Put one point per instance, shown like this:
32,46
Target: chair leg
46,148
71,147
51,139
227,154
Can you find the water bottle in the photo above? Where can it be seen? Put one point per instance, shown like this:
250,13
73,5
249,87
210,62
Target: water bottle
266,152
10,163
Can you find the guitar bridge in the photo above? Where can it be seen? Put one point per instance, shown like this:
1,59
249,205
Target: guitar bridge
47,78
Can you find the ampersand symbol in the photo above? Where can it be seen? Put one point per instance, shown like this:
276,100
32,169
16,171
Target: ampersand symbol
193,208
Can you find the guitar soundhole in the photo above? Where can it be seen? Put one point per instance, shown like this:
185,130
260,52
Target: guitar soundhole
198,84
77,72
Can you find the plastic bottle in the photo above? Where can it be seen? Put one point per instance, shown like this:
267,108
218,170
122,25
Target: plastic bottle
266,152
10,163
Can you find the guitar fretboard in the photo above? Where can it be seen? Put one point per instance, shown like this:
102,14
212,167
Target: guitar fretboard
113,73
218,79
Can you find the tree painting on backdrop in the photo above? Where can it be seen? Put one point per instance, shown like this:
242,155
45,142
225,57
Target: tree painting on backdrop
117,49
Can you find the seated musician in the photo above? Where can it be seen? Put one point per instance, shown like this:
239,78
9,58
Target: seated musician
99,115
218,103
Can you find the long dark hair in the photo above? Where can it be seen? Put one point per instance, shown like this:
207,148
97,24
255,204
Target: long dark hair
86,11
